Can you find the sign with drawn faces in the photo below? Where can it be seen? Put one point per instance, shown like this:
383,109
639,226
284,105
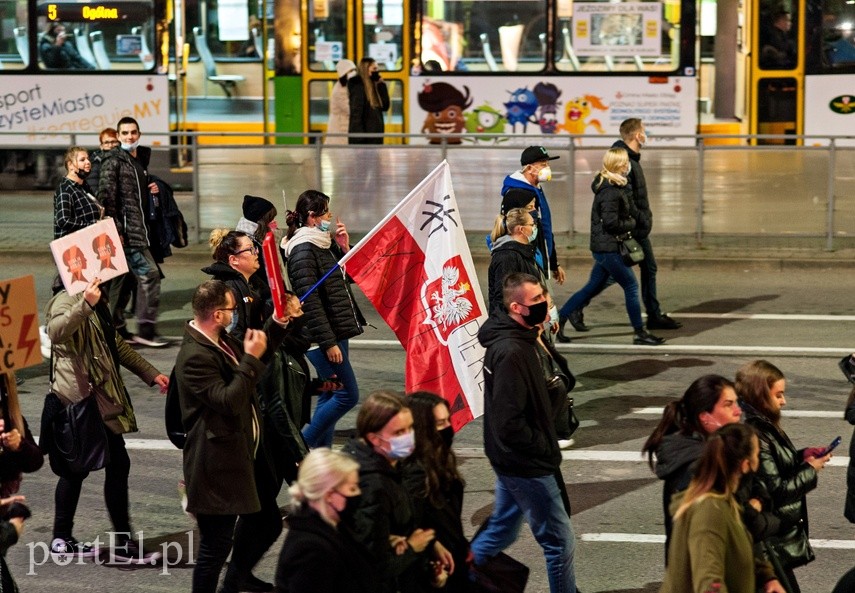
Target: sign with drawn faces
93,252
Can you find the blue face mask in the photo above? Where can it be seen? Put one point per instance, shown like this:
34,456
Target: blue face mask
130,147
233,323
533,236
324,226
402,446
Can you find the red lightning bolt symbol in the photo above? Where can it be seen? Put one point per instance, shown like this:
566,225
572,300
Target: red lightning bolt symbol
23,342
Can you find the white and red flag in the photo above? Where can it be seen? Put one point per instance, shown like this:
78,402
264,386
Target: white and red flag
416,269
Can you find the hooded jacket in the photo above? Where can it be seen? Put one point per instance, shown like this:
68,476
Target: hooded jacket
675,459
546,240
508,256
385,509
638,186
612,214
519,431
247,298
786,478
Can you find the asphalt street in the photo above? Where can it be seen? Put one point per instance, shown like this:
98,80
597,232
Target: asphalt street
735,311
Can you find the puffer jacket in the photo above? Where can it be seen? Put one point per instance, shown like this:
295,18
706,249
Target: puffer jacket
81,355
612,214
786,479
123,191
508,256
330,311
638,186
384,509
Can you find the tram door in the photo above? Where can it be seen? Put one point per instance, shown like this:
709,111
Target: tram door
338,29
776,79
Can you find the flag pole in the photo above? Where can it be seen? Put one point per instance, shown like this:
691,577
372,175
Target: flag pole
319,282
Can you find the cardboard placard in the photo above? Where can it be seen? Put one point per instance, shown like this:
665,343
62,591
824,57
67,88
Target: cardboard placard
93,252
19,324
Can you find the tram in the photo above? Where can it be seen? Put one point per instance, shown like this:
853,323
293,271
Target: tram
461,68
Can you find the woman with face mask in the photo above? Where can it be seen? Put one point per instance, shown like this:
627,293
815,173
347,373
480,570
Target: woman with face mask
331,314
513,238
339,120
612,215
385,522
317,556
369,99
74,205
713,550
435,486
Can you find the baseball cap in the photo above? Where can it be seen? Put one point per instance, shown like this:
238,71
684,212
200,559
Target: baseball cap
535,154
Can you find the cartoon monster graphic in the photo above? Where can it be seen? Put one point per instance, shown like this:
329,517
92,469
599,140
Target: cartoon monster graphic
547,95
578,110
485,119
444,105
521,108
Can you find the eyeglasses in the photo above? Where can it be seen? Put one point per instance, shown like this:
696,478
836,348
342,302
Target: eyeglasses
253,250
233,309
110,143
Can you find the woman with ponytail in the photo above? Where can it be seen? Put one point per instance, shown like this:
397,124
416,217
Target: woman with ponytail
713,550
513,237
317,557
677,441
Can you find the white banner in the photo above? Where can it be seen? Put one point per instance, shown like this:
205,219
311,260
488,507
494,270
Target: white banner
46,109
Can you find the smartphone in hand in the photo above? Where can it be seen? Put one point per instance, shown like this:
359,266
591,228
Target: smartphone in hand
831,447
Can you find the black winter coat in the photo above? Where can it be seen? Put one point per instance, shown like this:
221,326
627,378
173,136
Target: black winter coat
786,479
849,508
318,558
385,509
123,191
251,313
519,431
364,118
612,213
330,311
638,187
508,256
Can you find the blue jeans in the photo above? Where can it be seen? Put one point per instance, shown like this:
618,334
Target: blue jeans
331,405
608,265
538,500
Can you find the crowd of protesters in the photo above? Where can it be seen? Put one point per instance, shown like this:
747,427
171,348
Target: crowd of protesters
384,513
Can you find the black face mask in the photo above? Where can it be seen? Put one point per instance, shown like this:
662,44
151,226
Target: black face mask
375,76
447,436
350,505
536,314
82,174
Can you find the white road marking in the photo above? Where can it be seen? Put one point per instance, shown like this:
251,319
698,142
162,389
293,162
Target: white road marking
605,456
787,413
649,538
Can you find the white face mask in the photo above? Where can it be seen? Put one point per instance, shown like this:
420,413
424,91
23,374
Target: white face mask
545,174
130,147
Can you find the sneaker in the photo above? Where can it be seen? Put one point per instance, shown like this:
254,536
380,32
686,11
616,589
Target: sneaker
663,322
643,338
146,336
565,443
847,365
68,547
128,551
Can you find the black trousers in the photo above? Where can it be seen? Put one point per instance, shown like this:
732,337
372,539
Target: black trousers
116,473
215,543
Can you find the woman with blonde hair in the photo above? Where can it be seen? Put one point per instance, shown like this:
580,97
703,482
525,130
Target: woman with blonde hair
318,557
711,548
514,235
612,216
369,99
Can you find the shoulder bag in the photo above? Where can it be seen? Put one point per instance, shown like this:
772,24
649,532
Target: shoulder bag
80,437
630,249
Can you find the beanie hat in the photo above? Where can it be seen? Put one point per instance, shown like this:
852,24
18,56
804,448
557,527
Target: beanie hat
516,197
343,67
254,208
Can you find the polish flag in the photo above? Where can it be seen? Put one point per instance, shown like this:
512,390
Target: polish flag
416,269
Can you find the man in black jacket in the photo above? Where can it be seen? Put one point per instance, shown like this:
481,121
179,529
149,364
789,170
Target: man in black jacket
519,436
633,138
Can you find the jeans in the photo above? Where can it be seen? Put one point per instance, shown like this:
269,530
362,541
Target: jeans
332,405
215,543
607,264
539,501
143,266
648,269
116,473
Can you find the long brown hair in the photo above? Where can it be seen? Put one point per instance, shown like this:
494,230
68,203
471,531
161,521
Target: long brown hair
370,88
438,460
754,384
719,466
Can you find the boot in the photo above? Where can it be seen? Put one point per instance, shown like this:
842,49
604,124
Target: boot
577,320
562,321
662,321
643,338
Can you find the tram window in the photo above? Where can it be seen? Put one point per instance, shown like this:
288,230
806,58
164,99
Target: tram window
838,35
778,30
229,27
327,34
629,36
14,43
383,23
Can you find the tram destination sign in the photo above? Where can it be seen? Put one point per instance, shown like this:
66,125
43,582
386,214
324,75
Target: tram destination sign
96,12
